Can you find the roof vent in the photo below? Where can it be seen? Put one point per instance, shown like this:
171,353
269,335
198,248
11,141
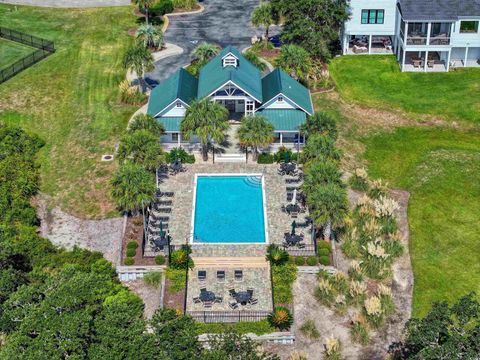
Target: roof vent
230,60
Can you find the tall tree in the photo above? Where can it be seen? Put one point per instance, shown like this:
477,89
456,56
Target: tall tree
132,186
313,24
320,123
255,131
150,36
139,59
328,205
294,60
321,172
206,119
263,15
320,146
446,332
206,51
144,5
143,148
146,122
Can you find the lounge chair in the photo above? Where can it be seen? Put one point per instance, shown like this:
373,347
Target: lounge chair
218,299
202,290
232,292
253,301
233,305
196,300
207,304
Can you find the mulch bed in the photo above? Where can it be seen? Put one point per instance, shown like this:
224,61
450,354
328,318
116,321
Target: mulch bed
173,300
268,53
134,232
178,11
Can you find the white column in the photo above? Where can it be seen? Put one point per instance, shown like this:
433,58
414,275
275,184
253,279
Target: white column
429,28
369,44
426,59
466,57
179,138
448,60
405,35
281,139
403,60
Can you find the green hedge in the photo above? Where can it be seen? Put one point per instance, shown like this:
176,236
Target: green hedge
322,244
323,252
131,252
324,260
132,245
181,154
160,260
312,261
300,260
129,261
283,153
265,158
162,7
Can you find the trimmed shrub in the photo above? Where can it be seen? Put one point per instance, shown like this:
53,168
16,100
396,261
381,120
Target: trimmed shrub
276,255
131,252
129,261
184,4
324,260
180,154
180,259
322,244
300,260
281,318
160,260
283,153
162,7
265,158
152,278
132,245
311,261
323,252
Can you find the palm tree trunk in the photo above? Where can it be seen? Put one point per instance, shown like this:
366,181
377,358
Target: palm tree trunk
266,34
205,152
146,15
255,153
327,230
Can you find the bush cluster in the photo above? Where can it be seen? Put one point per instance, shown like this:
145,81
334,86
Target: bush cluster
162,7
129,261
184,4
281,318
180,154
265,158
160,260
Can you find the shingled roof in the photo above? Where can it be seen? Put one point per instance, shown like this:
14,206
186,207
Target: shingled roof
438,10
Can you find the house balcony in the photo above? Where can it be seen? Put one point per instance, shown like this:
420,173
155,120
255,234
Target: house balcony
423,34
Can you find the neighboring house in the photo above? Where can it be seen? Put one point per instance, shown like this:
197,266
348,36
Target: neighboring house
230,79
424,35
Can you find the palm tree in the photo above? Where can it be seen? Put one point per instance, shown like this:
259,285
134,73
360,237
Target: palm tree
206,119
205,51
151,36
255,132
328,205
139,59
144,5
320,146
320,123
294,60
319,173
262,15
141,147
146,122
132,186
255,60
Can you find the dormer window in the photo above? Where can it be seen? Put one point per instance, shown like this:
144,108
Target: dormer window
230,60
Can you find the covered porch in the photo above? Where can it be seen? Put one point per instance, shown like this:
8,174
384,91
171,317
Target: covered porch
369,44
287,124
425,61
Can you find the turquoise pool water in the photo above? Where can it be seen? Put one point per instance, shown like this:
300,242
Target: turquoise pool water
229,209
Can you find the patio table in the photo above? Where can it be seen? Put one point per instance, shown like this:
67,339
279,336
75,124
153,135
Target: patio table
243,297
207,296
288,168
293,239
292,208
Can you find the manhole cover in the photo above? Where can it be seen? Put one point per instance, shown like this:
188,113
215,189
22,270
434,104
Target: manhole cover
107,157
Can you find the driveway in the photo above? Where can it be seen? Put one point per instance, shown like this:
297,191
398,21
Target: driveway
222,22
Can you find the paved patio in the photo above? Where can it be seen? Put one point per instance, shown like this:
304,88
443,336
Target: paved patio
278,222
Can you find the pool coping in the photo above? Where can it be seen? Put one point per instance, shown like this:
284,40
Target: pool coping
264,204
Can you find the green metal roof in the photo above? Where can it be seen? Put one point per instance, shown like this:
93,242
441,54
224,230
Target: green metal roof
279,82
171,124
284,119
181,85
246,75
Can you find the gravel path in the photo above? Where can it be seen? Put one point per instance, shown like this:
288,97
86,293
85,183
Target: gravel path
68,3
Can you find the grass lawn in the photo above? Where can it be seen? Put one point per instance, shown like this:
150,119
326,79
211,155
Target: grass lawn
71,100
11,51
376,81
441,169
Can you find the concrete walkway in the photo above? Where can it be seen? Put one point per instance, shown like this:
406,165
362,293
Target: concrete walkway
68,3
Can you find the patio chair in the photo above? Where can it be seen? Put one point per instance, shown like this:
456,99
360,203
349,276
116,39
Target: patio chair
431,63
202,290
207,304
233,305
196,300
250,291
232,292
253,301
218,299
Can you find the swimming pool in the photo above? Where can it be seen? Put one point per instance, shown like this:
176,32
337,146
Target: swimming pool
229,208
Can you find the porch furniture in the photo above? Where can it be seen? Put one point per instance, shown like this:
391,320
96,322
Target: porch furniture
233,305
218,300
287,169
359,49
292,209
232,292
196,300
417,63
207,304
430,63
253,301
176,167
293,239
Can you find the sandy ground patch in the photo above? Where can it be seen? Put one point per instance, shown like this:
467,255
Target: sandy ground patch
150,296
67,231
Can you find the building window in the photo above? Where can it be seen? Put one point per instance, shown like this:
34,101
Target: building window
202,275
238,275
373,16
280,99
230,61
174,136
178,104
221,275
249,107
469,26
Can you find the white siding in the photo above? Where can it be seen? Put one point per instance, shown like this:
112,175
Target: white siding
174,111
466,39
275,104
354,25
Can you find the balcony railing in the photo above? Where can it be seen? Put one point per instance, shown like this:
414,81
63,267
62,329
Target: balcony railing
439,40
417,40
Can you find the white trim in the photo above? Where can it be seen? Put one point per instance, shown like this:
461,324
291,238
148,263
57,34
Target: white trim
264,204
263,106
230,54
230,81
172,103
